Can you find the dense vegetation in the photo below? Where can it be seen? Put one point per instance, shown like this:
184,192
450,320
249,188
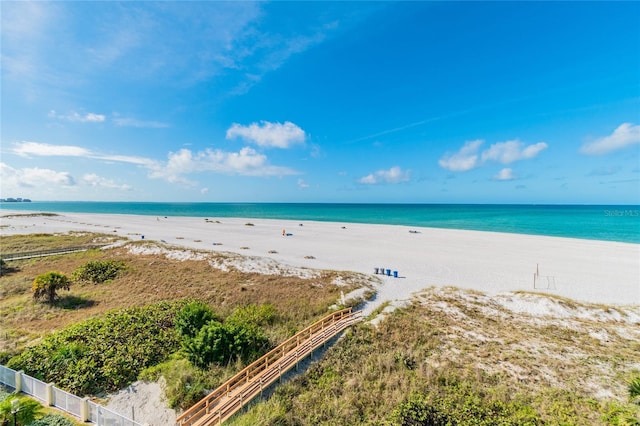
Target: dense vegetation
108,353
103,354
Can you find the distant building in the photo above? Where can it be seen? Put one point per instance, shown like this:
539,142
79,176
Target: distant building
15,200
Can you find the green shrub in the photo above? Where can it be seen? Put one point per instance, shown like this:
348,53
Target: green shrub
46,286
224,343
99,271
103,354
52,420
192,317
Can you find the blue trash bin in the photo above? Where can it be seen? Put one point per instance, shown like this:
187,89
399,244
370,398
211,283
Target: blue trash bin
143,237
388,272
395,274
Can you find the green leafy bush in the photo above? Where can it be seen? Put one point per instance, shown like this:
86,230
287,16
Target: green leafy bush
46,286
224,343
103,354
99,271
52,420
192,317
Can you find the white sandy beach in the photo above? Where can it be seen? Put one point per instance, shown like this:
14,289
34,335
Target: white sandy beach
584,270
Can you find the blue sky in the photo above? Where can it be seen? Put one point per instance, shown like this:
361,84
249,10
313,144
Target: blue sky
416,102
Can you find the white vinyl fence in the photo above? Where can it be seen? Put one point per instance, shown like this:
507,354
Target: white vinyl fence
49,395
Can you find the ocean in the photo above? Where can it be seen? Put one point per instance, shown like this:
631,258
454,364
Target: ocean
595,222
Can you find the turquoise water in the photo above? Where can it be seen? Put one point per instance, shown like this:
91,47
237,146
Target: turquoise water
609,223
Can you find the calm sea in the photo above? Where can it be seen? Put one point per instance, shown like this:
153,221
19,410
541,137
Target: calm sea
609,223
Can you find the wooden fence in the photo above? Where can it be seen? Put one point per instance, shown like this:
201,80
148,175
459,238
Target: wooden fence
238,391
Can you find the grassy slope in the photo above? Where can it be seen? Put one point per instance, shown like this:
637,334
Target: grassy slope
461,352
149,279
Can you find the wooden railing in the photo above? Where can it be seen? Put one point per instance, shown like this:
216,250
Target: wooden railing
232,395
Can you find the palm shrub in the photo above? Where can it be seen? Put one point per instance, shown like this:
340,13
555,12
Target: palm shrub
46,286
26,410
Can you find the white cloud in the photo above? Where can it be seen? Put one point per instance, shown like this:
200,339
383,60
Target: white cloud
468,156
465,159
92,179
625,135
505,174
74,116
302,184
204,191
132,122
246,162
510,151
267,134
25,149
13,179
393,175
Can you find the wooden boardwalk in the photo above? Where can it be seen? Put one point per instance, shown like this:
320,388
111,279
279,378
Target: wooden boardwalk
50,252
238,391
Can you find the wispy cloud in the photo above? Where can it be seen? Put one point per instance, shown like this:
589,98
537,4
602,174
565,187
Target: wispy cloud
92,179
155,43
469,157
133,122
267,134
73,116
393,175
604,171
302,184
28,149
627,134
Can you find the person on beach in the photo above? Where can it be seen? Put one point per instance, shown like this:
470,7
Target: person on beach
284,232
